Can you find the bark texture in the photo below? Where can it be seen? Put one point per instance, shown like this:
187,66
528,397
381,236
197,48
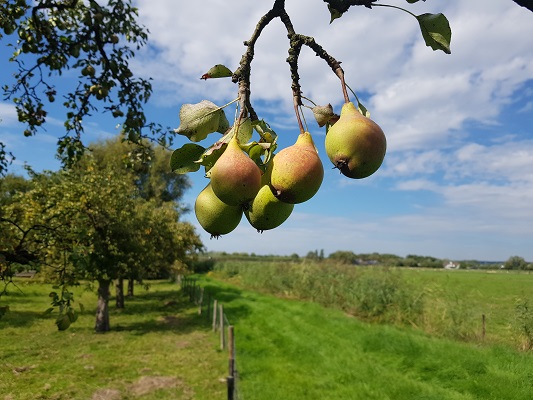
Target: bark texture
119,292
102,307
131,284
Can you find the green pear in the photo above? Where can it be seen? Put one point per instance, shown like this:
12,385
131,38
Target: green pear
235,177
215,216
266,212
355,144
297,171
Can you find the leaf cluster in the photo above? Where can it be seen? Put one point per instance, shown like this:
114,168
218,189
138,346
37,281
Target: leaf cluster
95,40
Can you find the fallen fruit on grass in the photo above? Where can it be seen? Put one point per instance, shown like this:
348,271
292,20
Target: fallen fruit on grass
235,177
297,171
215,216
355,144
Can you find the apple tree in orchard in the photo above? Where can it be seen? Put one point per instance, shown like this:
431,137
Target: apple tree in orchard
248,174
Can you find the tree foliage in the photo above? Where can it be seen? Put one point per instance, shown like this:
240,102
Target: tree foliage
515,262
94,39
91,223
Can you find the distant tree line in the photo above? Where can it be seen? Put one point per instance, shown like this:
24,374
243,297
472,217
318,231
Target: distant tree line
346,257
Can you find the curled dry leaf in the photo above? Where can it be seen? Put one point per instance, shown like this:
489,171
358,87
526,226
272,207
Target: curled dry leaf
200,119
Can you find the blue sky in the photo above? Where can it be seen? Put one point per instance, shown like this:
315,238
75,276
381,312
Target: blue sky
457,181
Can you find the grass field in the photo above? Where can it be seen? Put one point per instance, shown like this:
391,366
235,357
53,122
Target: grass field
291,349
473,293
286,348
159,348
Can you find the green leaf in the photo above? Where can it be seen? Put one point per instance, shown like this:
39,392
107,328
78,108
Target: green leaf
362,109
211,155
265,131
256,150
244,130
183,160
436,31
72,315
218,71
48,311
334,13
200,119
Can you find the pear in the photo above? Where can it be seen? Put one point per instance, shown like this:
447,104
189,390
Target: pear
265,211
355,144
297,171
215,216
235,177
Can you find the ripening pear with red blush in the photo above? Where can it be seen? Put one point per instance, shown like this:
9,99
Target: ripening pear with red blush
235,177
297,171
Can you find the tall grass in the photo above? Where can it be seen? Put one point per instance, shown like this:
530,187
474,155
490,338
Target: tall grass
378,294
453,306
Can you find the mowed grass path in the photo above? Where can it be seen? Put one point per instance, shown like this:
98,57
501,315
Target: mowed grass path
288,349
159,348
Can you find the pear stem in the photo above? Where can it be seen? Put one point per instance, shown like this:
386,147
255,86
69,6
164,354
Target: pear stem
297,112
340,73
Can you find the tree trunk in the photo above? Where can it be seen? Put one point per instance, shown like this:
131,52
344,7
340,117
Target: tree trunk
102,308
131,283
119,291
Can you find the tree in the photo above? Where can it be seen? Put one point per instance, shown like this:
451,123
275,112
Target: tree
155,183
95,39
151,174
515,262
343,257
93,225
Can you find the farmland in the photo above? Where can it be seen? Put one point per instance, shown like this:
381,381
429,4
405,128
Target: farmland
287,347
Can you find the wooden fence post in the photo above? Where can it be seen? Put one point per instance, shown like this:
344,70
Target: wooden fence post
215,310
200,301
221,325
483,326
231,374
208,302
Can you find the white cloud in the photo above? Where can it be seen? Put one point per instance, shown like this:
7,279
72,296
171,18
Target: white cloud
8,115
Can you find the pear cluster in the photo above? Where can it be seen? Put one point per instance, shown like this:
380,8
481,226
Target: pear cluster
238,186
249,178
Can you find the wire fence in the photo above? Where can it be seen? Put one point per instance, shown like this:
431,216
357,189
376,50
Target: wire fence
214,312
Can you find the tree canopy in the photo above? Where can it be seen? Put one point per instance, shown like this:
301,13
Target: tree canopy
92,222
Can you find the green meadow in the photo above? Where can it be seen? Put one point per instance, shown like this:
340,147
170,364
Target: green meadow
287,346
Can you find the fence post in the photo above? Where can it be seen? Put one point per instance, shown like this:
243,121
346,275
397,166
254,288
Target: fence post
208,302
200,301
215,310
483,326
221,325
231,351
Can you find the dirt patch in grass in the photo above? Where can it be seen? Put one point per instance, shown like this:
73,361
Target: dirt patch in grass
144,386
107,394
148,384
